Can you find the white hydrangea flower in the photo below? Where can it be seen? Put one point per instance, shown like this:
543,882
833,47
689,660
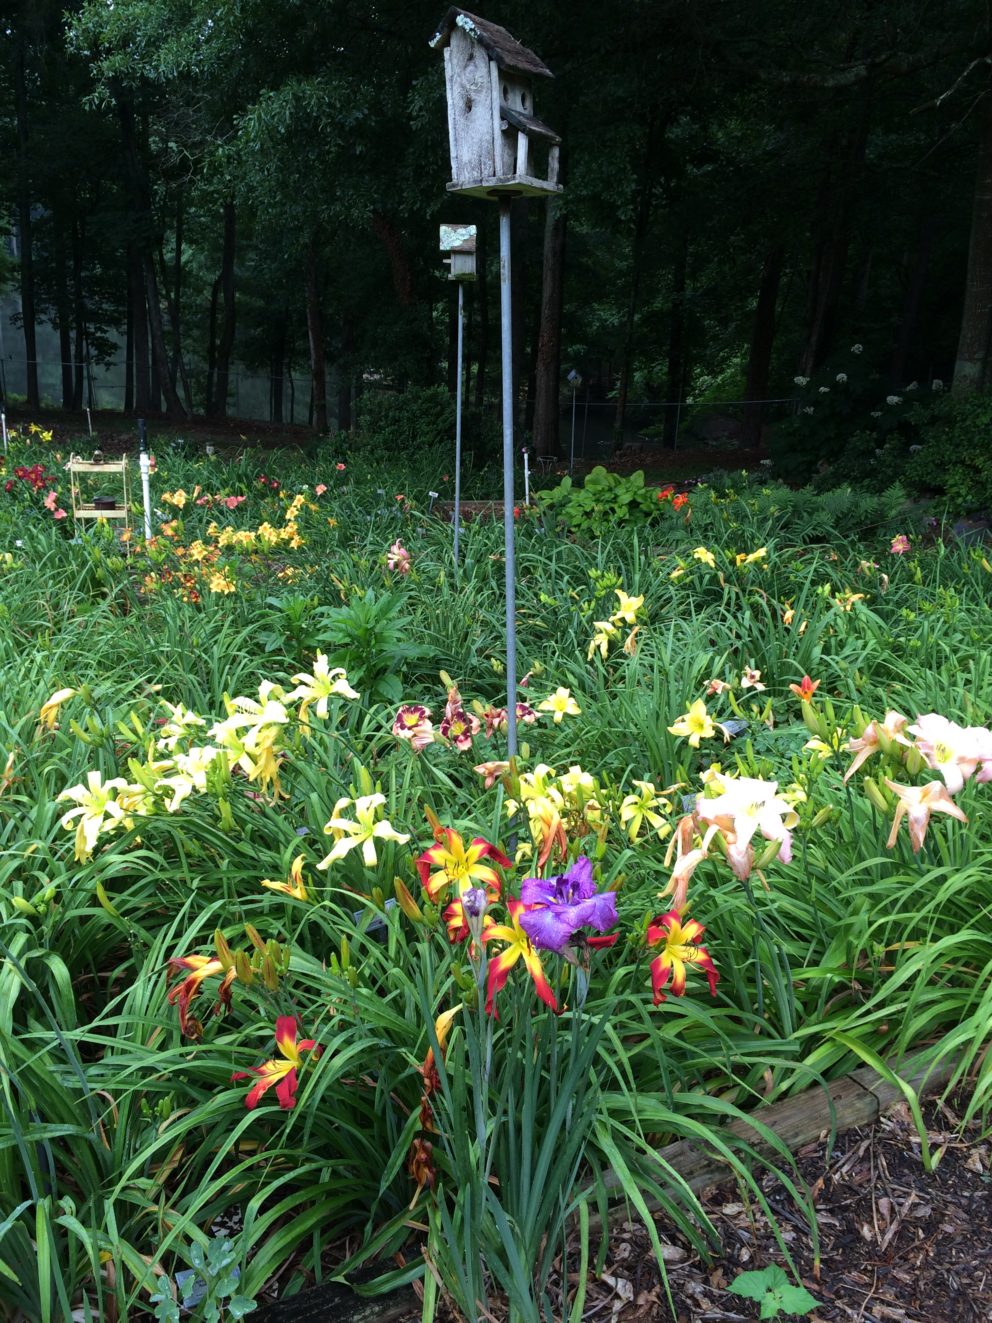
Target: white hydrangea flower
808,408
801,381
824,390
857,349
936,384
893,399
841,377
913,385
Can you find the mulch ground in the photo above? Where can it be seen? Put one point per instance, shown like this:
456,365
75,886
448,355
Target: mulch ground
896,1243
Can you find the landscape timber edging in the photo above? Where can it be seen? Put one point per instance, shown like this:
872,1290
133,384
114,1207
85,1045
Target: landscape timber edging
857,1099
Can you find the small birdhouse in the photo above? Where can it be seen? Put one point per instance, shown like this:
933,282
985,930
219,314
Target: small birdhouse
458,241
498,145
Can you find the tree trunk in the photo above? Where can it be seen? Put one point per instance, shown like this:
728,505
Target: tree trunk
918,274
677,367
24,251
144,243
277,362
971,366
315,335
655,133
129,354
759,358
79,313
139,314
399,263
63,308
226,343
834,203
345,419
212,345
547,381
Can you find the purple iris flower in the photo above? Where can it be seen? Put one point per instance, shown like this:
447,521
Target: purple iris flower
566,903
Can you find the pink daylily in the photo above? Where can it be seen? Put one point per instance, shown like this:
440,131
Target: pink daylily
746,806
948,748
398,558
413,723
872,738
916,803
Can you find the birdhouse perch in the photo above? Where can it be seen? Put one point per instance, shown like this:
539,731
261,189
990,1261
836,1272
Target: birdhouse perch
497,143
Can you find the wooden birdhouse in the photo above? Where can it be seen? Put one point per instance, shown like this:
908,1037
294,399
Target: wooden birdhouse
458,242
498,145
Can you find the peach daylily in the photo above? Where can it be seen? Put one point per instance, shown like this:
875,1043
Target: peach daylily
916,803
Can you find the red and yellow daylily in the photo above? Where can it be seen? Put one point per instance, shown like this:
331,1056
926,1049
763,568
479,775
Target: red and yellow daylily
282,1073
295,887
680,947
449,862
518,947
200,967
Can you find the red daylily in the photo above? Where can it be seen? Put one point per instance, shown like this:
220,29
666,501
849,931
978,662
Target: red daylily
681,947
518,947
805,690
280,1073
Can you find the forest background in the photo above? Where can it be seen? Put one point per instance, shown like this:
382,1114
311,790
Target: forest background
760,200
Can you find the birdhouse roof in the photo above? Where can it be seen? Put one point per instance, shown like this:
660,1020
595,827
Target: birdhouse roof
498,44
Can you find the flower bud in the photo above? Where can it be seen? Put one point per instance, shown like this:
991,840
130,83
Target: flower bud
874,793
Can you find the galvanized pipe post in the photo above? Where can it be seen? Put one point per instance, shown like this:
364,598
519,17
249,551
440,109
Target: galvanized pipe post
458,419
506,318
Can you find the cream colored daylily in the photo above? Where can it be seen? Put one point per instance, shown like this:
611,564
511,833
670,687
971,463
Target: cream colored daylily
317,689
101,806
364,830
748,805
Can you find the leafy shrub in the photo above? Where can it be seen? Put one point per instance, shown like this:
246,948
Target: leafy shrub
404,422
955,459
604,501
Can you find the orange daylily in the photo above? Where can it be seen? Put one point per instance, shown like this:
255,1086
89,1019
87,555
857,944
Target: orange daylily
295,887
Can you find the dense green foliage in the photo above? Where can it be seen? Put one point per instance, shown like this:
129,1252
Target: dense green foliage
747,195
126,1145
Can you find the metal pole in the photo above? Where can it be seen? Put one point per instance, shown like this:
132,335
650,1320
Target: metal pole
571,458
144,463
3,424
89,420
458,420
508,529
526,476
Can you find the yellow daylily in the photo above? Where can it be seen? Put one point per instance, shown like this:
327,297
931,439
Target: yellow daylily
695,724
706,556
49,709
561,703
